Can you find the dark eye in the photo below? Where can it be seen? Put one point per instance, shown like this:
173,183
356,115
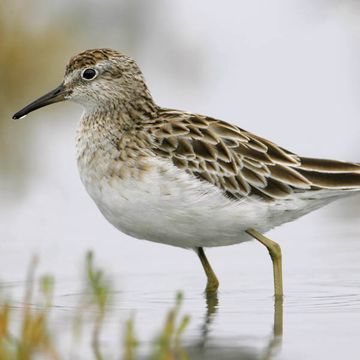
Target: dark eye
89,74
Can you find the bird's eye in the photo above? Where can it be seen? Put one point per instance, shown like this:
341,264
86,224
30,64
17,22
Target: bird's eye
89,74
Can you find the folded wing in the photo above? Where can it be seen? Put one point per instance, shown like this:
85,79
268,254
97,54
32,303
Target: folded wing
241,163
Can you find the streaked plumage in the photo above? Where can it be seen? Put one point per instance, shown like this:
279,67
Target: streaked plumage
243,164
180,178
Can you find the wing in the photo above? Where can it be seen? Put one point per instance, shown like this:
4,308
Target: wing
241,163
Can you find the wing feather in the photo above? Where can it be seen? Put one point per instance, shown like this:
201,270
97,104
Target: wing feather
241,163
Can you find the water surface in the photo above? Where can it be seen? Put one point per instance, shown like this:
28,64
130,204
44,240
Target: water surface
319,318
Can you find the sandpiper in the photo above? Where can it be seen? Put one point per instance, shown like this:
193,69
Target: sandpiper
185,179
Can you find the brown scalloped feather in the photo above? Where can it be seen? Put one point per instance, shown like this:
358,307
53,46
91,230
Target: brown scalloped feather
241,163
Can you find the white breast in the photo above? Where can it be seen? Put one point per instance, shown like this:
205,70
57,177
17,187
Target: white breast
168,206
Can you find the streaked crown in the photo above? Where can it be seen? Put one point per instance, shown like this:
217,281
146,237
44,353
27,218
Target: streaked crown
91,58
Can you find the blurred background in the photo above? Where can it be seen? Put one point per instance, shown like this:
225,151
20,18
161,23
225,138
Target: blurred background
288,70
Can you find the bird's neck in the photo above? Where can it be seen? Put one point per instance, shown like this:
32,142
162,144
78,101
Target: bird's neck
117,117
102,128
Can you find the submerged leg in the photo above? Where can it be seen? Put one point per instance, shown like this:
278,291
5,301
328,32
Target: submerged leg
275,253
212,281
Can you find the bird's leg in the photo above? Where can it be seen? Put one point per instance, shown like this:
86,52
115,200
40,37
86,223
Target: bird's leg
212,281
275,253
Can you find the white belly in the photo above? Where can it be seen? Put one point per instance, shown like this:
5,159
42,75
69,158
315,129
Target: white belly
171,207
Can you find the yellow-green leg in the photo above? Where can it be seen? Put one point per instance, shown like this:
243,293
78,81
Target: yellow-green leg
212,281
275,253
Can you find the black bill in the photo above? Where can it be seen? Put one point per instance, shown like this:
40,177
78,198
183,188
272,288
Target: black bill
51,97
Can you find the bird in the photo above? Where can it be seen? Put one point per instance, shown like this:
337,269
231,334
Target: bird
185,179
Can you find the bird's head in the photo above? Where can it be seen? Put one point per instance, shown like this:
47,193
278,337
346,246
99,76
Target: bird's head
98,78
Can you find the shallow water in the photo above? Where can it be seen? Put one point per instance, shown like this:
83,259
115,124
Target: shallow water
319,318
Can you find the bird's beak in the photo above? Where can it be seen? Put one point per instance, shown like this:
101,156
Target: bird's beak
52,97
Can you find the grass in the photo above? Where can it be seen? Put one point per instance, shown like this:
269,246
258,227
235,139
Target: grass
32,336
168,344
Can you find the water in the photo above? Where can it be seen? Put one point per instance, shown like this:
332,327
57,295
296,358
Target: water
319,318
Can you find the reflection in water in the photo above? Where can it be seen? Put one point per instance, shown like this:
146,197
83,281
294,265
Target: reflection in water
208,348
212,303
274,344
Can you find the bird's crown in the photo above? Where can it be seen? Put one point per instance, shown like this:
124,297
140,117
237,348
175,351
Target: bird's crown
92,57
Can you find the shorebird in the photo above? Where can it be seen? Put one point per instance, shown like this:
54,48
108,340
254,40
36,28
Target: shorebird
185,179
